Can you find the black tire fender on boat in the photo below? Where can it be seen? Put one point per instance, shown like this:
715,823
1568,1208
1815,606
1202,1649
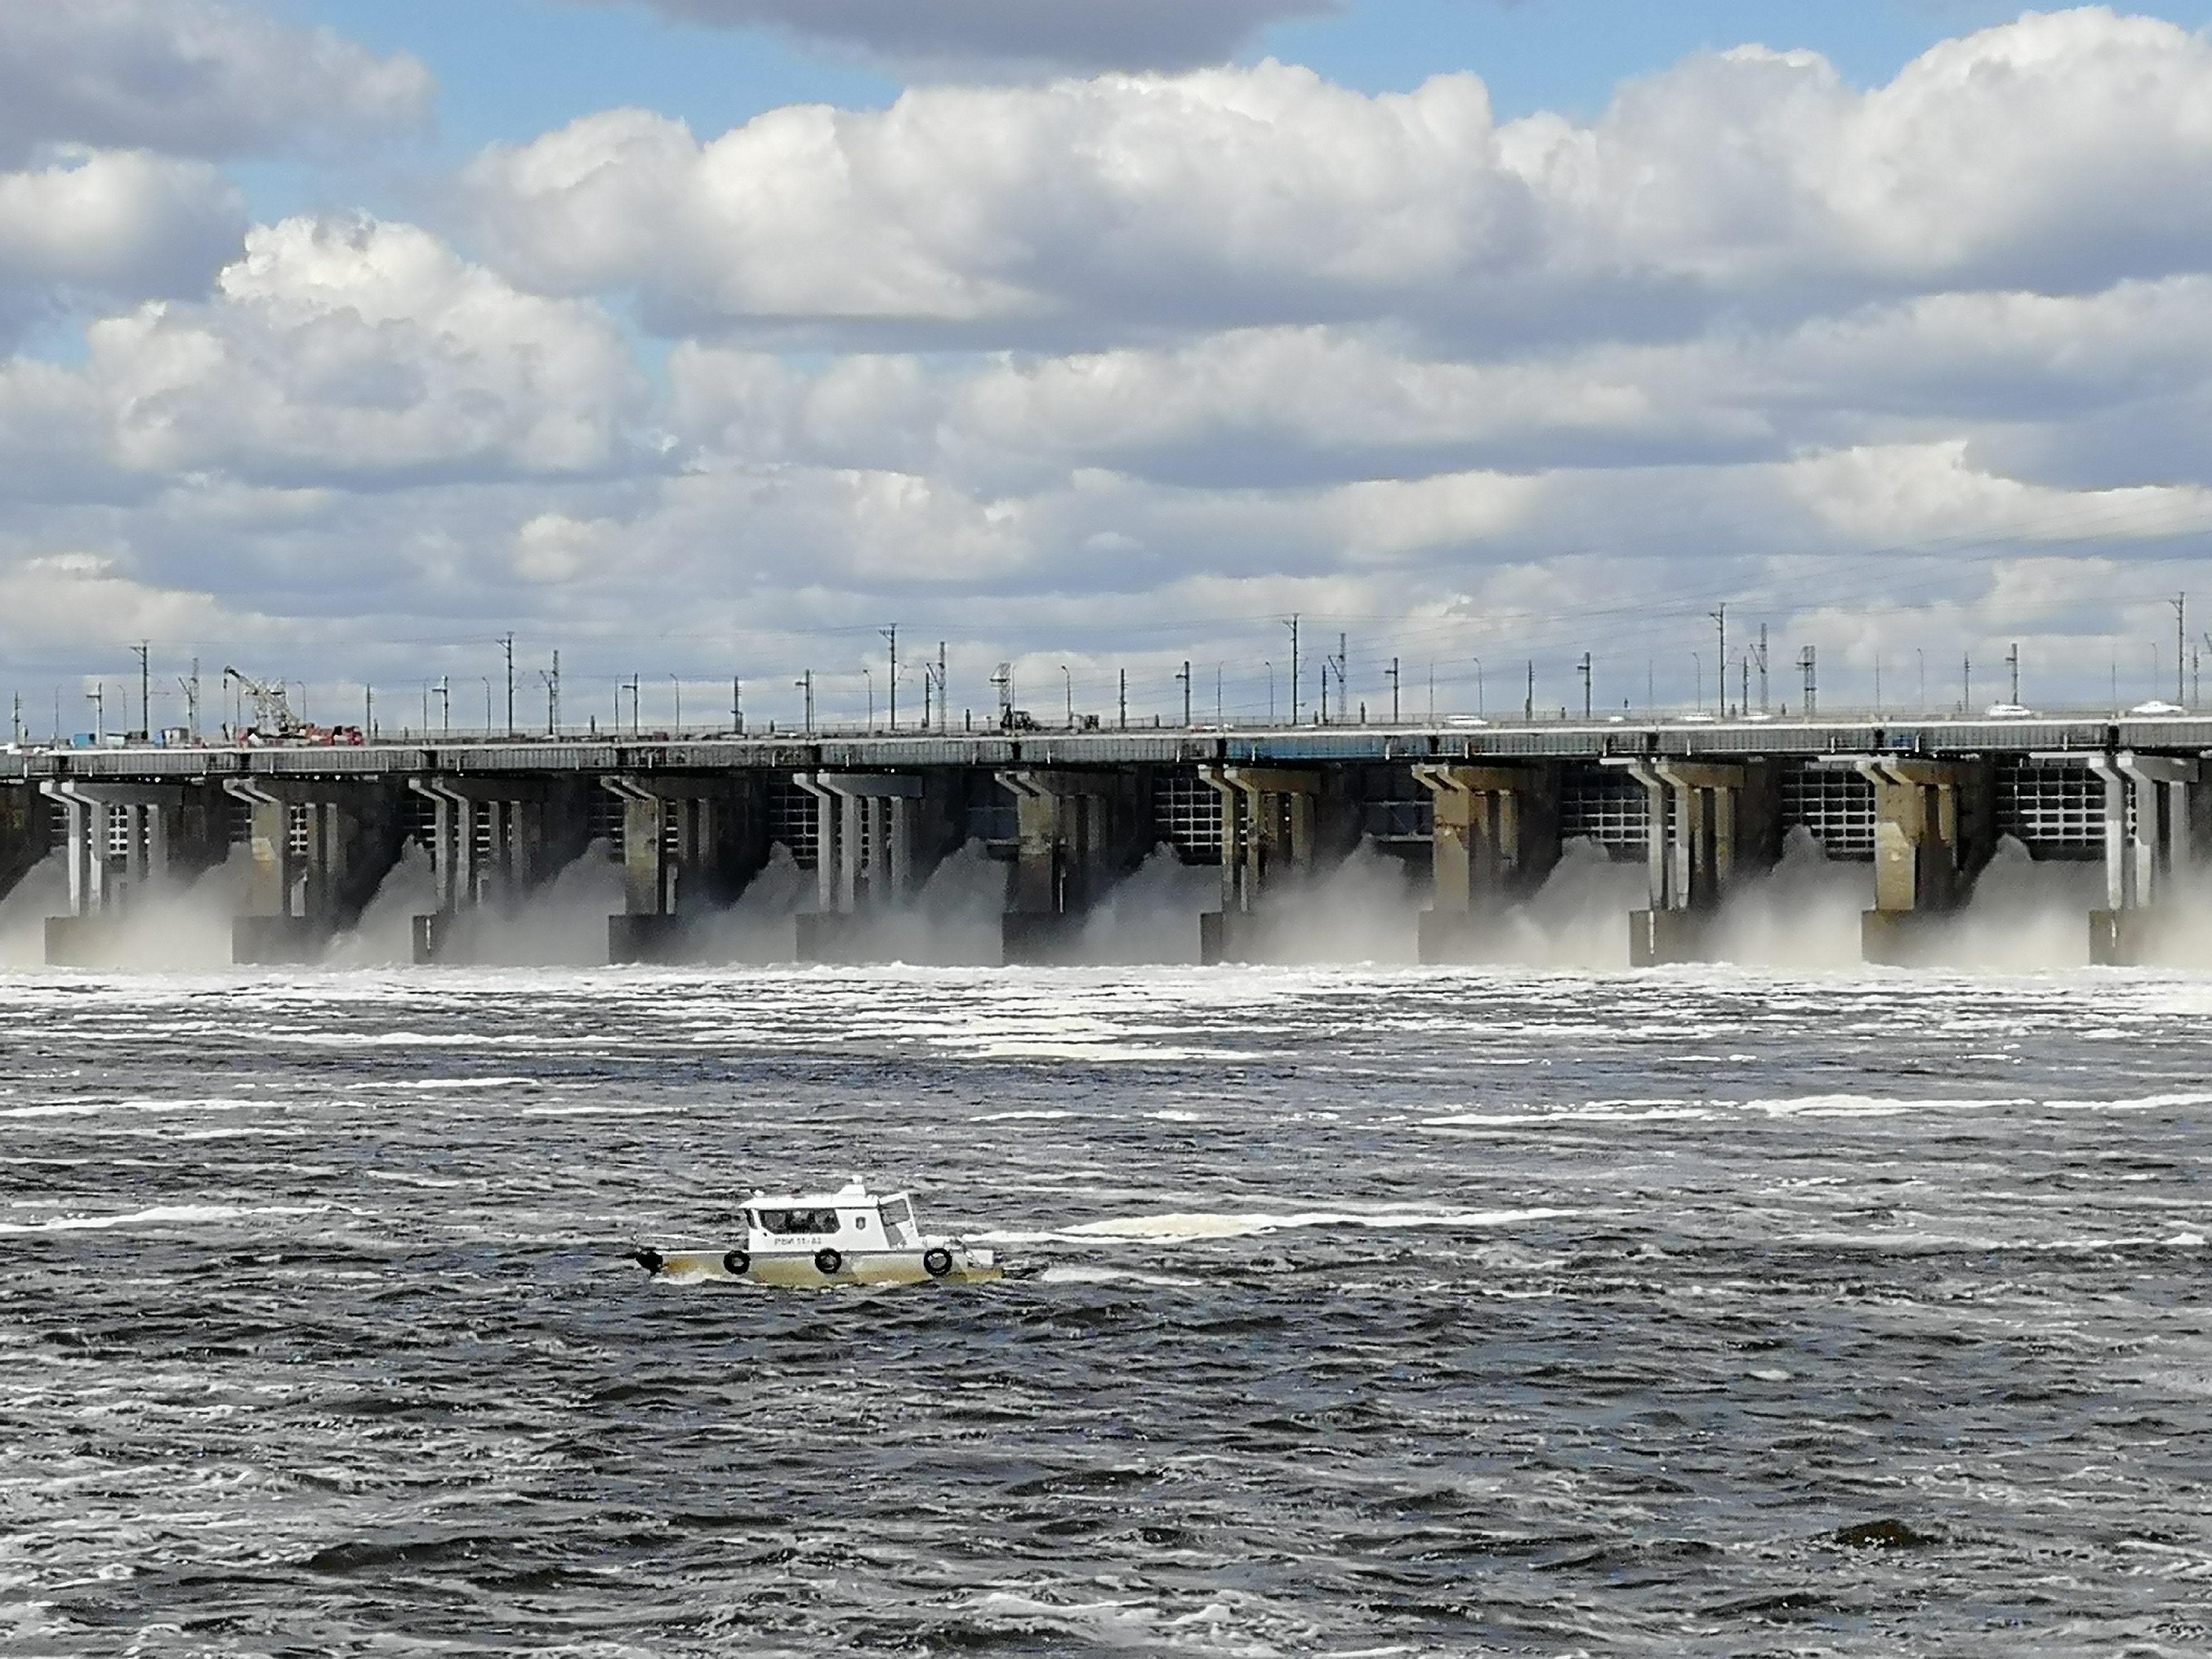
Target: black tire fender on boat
648,1257
937,1260
827,1262
734,1263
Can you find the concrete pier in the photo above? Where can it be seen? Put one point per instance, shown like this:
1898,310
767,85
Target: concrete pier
1706,825
2151,838
493,839
864,851
1495,837
119,839
1078,833
318,850
690,844
1933,831
1268,825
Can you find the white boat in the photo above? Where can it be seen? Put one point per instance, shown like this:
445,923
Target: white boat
806,1241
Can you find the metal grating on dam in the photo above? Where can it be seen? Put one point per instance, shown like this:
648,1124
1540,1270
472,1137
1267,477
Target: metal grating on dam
1187,815
1834,807
2055,807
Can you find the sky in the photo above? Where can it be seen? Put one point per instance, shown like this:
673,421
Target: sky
704,341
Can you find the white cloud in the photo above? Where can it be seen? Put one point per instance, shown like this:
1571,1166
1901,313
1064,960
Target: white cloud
2063,152
116,223
363,349
1009,36
190,77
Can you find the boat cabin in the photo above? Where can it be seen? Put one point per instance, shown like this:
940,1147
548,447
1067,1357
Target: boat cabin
851,1218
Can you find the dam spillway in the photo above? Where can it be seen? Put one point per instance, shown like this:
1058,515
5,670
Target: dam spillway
1478,814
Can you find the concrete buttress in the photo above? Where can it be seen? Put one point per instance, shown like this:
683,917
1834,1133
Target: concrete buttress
1495,837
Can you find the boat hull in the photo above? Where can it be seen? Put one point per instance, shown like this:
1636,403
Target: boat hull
799,1272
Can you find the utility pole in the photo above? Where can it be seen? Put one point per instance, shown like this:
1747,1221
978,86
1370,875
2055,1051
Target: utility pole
144,648
19,721
442,691
806,683
508,643
1343,681
2180,639
737,705
1965,683
2011,661
1808,660
1393,690
368,715
1584,668
1529,707
1762,668
98,698
633,689
553,697
1720,663
191,687
1184,677
1293,626
944,688
892,634
679,684
1124,700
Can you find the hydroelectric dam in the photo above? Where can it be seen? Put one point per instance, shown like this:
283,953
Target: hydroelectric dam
1478,812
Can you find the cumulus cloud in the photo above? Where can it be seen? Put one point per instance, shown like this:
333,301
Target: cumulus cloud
337,349
112,224
1009,36
190,77
2060,153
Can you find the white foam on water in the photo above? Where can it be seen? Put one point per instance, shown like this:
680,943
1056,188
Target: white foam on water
160,1214
1091,1275
93,1107
438,1084
1190,1227
2134,1103
1877,1105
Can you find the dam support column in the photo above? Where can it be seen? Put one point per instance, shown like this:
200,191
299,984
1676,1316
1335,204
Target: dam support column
1080,833
120,839
1496,838
318,850
689,847
865,856
1695,816
493,840
1268,842
2148,839
1933,832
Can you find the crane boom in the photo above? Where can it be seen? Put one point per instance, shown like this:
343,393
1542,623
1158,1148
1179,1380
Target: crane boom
272,711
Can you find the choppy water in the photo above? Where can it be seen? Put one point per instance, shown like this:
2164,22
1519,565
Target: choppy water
1404,1313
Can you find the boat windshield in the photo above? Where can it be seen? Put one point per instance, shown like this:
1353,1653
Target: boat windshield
797,1221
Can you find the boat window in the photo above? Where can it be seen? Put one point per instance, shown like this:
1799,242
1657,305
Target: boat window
797,1221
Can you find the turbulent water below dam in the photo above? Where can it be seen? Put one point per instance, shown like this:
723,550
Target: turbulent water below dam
1373,1311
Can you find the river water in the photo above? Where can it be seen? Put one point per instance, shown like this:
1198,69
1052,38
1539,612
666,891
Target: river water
1696,1312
